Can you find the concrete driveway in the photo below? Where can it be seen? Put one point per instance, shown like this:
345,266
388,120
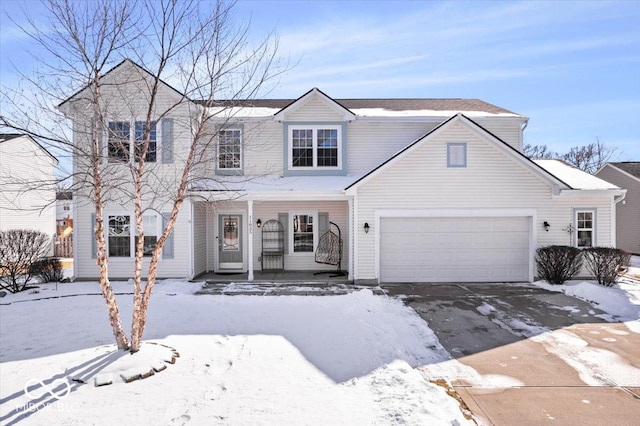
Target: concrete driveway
530,356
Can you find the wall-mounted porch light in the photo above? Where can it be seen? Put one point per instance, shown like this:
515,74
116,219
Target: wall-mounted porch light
546,226
366,227
258,223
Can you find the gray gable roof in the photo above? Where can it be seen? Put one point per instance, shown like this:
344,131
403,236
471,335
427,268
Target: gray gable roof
396,104
631,167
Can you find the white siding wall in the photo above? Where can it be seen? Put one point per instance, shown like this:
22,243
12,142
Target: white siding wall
199,237
122,268
315,109
492,180
507,129
27,187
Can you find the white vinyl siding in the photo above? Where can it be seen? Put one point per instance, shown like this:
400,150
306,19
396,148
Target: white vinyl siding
23,165
122,267
199,237
315,109
493,180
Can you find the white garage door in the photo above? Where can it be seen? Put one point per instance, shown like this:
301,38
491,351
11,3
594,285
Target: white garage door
468,249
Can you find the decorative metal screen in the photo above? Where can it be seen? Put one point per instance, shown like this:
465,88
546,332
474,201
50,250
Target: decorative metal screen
272,246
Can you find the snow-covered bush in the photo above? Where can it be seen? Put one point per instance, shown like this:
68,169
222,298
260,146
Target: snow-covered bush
557,264
19,249
48,270
606,263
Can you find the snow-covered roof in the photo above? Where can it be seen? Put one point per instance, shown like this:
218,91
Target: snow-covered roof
573,176
363,108
271,183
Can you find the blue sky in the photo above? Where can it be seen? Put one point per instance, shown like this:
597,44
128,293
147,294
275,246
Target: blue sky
572,67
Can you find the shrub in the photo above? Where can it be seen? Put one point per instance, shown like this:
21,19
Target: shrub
48,270
557,264
19,249
606,263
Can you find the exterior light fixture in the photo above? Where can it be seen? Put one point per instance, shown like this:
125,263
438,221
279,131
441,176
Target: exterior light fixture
366,227
546,226
259,223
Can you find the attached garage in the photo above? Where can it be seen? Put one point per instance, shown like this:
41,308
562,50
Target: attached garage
454,249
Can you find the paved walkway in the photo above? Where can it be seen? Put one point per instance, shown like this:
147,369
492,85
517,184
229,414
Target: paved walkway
542,357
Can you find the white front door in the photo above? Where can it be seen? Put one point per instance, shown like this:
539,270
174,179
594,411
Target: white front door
230,246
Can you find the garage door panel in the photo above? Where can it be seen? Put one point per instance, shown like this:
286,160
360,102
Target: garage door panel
454,249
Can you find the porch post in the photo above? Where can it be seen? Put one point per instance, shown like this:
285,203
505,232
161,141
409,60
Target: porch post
250,240
351,232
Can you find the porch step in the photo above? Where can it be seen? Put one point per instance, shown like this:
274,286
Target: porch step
283,289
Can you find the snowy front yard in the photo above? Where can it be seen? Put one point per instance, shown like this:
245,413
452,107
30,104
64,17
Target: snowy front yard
243,360
355,359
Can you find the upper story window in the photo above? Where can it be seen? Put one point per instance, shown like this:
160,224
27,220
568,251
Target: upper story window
120,137
315,147
585,228
229,149
140,128
456,155
119,141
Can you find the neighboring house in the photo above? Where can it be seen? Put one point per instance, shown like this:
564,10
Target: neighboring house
427,190
27,185
64,213
626,175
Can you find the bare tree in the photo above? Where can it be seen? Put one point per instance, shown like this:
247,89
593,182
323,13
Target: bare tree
538,152
589,158
19,250
196,46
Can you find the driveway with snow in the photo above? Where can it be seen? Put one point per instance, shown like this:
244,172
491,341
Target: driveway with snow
529,355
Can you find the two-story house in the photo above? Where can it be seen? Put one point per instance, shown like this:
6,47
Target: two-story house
27,185
426,190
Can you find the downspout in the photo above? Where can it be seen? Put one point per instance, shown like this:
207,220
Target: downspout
614,224
526,123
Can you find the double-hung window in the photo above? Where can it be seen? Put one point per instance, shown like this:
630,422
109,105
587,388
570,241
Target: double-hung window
119,232
230,149
120,138
585,228
303,233
119,141
140,130
315,146
122,235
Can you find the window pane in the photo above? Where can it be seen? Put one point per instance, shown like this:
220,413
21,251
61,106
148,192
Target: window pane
139,135
119,231
150,228
303,234
229,149
302,152
231,241
585,238
118,141
327,148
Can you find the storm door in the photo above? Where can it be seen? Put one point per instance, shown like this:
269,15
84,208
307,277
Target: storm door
230,242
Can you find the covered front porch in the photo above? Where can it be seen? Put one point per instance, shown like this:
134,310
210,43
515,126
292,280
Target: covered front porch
267,237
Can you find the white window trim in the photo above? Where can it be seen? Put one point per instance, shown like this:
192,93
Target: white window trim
593,212
314,128
314,215
132,141
241,149
133,232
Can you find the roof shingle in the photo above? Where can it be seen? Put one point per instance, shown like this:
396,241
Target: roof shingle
631,167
